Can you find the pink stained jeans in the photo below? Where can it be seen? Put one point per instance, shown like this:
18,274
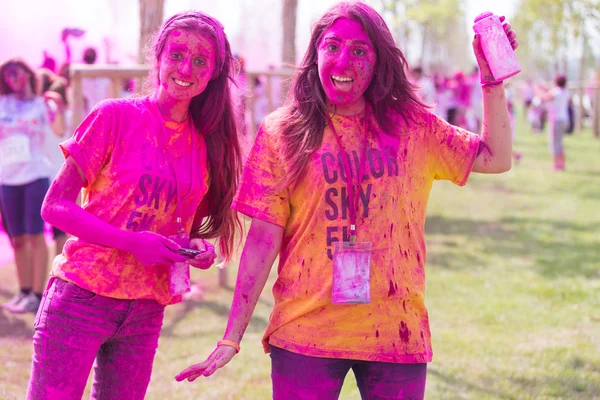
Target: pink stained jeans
299,377
75,328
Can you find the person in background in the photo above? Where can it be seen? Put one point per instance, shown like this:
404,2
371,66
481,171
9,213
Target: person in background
158,175
427,88
347,164
557,101
260,103
442,96
527,94
54,89
94,89
49,62
475,110
510,94
25,124
241,93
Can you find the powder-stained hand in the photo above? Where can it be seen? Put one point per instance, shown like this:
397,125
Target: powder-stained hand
204,260
152,249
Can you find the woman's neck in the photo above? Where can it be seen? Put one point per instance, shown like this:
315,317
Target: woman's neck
25,94
347,110
174,110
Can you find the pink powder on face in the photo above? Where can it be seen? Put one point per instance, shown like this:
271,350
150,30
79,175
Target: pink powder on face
186,65
346,61
16,78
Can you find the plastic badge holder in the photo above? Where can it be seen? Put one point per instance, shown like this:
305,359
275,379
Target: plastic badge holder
496,47
179,272
351,273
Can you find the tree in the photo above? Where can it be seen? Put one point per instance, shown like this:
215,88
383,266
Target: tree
151,16
394,12
548,30
438,21
288,19
441,27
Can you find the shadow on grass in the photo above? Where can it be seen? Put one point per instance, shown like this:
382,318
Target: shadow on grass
586,388
257,323
455,382
586,173
14,327
554,247
6,294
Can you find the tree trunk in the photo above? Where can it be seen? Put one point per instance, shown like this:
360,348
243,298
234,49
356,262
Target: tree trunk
423,46
151,16
288,18
581,85
596,105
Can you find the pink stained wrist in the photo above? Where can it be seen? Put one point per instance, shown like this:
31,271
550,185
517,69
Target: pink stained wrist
126,240
491,84
229,343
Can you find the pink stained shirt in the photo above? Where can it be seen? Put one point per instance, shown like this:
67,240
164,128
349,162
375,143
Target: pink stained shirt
129,167
398,176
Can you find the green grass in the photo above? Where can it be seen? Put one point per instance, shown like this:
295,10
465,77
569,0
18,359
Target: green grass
513,290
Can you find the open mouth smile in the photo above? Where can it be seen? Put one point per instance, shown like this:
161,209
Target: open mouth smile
342,83
336,78
182,83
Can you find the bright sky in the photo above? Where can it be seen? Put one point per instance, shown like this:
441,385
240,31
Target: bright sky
246,22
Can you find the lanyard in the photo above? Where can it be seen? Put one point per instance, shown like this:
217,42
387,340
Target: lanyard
353,191
170,162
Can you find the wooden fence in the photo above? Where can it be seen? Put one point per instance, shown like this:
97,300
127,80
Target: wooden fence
117,74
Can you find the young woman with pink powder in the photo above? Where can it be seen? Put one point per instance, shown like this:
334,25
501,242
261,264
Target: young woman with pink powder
351,157
151,169
26,122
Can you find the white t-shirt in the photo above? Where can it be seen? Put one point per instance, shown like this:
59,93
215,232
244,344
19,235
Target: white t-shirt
24,127
559,105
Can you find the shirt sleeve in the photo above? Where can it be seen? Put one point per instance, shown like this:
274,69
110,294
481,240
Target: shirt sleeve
451,151
92,142
260,193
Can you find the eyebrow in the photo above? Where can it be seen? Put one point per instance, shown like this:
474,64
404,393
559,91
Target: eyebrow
180,47
356,41
174,46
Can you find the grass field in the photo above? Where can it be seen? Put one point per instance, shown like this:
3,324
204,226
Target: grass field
513,290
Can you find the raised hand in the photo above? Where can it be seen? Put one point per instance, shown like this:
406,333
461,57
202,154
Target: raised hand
484,69
55,99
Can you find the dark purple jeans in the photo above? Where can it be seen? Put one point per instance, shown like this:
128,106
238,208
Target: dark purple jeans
76,328
298,377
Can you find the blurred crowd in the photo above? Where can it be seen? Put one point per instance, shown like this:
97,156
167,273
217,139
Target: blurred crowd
546,105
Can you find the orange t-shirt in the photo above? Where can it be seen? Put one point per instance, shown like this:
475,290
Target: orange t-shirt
399,172
129,163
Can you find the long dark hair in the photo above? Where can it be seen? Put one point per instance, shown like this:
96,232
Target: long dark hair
214,118
301,122
33,80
